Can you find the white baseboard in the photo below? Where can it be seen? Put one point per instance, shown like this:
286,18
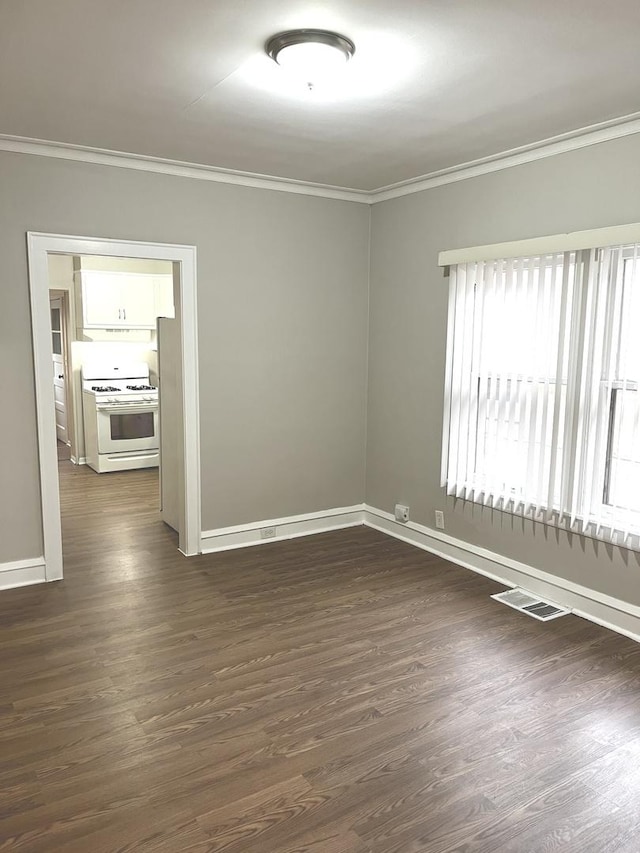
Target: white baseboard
289,527
612,613
22,573
79,460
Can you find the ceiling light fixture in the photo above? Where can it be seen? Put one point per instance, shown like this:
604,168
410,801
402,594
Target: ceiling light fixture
311,55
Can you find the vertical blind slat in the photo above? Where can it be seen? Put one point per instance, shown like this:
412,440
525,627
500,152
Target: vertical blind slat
522,381
532,401
483,388
465,369
562,300
446,420
455,379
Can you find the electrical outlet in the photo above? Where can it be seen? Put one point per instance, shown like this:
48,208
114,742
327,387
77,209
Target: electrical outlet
402,513
439,519
267,533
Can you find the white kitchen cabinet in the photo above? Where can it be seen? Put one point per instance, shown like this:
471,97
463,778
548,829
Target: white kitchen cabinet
119,300
100,300
138,300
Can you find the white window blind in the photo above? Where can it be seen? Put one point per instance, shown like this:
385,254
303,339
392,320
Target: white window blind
542,411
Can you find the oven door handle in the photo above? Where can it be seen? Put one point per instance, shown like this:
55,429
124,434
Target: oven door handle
136,408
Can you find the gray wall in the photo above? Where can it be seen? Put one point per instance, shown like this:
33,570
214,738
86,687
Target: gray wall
590,188
282,308
283,335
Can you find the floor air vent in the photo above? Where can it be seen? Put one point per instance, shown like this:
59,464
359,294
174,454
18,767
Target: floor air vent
530,604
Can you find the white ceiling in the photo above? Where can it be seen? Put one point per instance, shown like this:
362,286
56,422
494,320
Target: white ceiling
434,83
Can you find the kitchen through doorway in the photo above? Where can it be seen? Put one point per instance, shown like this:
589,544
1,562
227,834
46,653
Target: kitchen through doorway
112,325
115,375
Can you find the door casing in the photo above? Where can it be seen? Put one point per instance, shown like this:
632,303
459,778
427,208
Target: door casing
184,258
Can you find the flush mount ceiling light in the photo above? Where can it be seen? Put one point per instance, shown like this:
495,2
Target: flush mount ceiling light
310,55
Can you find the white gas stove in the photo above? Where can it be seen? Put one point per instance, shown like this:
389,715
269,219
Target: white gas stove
120,417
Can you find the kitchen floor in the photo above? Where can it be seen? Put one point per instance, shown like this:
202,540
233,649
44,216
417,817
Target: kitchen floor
111,517
341,693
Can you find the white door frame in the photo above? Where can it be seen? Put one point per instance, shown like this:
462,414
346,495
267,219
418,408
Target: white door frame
38,247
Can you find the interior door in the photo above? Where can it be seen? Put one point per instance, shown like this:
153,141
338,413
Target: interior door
58,361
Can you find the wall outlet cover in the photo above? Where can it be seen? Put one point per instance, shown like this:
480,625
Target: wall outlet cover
268,533
402,513
439,519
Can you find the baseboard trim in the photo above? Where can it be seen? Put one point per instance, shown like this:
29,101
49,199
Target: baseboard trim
607,611
79,460
22,573
289,527
604,610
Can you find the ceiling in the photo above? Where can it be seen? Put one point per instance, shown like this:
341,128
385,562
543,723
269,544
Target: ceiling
433,84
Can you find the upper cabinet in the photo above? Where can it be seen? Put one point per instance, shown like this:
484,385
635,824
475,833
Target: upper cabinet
122,300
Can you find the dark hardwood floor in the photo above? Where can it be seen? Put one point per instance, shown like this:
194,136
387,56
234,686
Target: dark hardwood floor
342,693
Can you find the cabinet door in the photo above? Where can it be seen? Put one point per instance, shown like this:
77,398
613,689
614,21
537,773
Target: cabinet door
101,300
138,301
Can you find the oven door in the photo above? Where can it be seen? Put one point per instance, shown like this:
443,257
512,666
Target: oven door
125,427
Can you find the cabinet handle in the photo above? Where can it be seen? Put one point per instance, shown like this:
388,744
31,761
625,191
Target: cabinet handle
61,376
124,311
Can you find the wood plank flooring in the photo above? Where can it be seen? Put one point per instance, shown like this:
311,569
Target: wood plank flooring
344,693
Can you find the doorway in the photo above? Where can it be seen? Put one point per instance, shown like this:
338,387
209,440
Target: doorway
186,429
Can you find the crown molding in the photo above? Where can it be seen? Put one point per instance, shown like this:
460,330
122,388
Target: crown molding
572,141
178,168
561,144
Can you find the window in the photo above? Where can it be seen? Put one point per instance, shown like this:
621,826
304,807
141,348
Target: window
542,399
56,331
